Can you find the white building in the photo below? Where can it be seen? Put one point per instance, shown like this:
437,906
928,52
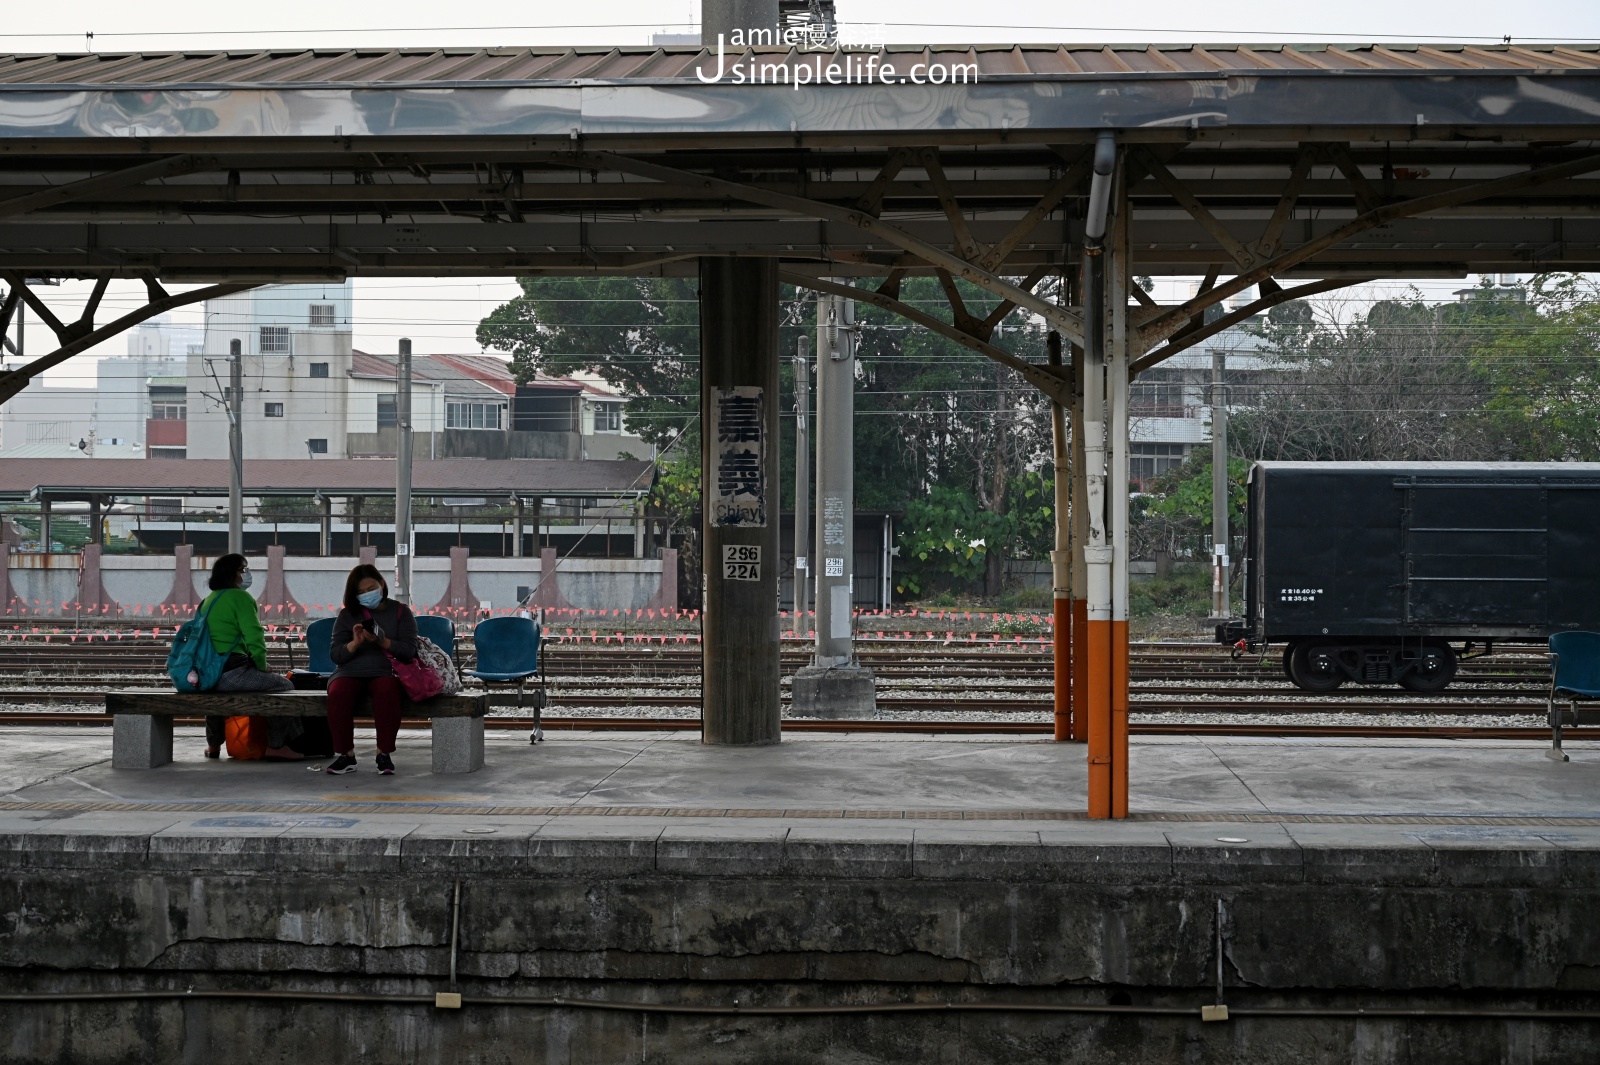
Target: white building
295,341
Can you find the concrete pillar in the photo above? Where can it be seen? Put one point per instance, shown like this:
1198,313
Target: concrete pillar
835,685
97,532
10,603
277,602
459,601
518,510
1219,487
739,460
1119,277
1061,557
92,596
44,524
355,525
547,594
1079,510
183,599
666,597
325,536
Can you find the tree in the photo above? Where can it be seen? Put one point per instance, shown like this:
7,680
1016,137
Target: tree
1541,371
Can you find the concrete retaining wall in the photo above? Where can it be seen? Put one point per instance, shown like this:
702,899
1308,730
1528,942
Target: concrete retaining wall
49,584
827,916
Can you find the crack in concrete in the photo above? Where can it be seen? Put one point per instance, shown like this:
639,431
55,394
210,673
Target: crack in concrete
601,782
1234,773
68,774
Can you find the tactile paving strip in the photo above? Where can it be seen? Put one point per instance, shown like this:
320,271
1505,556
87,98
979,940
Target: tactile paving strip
464,809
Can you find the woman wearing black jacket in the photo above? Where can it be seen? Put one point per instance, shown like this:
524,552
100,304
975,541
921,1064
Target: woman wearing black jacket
369,629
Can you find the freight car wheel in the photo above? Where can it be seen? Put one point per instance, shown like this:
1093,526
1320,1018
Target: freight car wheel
1435,669
1314,667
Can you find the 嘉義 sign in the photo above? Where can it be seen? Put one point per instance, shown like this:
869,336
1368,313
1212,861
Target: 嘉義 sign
738,491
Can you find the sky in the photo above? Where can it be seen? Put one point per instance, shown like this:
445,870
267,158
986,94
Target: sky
440,316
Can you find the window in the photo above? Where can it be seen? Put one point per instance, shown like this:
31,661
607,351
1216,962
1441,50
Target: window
317,445
274,410
169,452
388,418
158,506
1146,462
319,369
472,415
322,314
608,417
1157,394
274,340
169,411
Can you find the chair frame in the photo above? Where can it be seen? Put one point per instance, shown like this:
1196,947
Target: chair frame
541,695
1570,716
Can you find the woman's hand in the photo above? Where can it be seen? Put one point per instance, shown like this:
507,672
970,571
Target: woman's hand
358,636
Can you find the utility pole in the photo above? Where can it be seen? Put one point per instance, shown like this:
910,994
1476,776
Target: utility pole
1219,486
402,477
802,480
235,447
835,685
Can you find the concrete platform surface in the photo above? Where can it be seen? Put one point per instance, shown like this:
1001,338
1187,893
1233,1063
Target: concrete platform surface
815,778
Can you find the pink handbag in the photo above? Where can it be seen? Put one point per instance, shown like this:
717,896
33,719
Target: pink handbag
419,681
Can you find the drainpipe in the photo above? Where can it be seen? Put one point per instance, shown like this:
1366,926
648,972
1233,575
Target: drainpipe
1096,551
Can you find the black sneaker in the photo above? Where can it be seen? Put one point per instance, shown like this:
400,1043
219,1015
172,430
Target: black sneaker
385,765
345,763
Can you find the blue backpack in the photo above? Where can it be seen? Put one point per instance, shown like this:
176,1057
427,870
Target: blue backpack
193,664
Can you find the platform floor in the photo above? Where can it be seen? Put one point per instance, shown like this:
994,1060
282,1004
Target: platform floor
992,787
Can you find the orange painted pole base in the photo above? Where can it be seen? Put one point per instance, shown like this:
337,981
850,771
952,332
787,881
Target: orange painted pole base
1119,719
1062,640
1101,766
1080,670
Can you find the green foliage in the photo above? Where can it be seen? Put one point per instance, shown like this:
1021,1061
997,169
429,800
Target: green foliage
1185,593
947,536
1543,373
1186,491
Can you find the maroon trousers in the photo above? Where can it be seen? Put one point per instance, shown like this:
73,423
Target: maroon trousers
344,695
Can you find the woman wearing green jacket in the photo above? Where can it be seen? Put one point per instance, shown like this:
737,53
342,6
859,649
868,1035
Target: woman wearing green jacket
234,621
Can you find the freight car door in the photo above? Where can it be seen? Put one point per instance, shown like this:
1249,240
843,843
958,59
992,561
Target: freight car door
1475,553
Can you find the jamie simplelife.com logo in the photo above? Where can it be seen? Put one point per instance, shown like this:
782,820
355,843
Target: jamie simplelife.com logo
840,54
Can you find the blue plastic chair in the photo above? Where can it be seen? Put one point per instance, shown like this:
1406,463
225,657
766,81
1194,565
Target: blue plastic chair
1575,674
508,651
318,639
440,630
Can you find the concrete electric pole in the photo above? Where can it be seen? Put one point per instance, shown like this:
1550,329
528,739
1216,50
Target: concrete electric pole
802,480
835,685
402,476
1219,487
235,448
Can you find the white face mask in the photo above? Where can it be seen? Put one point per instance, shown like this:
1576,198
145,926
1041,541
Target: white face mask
246,579
370,599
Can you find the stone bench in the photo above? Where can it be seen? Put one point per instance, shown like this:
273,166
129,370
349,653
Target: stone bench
141,734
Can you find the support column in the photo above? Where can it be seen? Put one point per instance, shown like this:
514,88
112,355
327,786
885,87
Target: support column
355,525
97,532
835,685
325,534
1061,558
802,482
1119,275
1097,549
518,515
44,524
1079,504
739,463
1219,488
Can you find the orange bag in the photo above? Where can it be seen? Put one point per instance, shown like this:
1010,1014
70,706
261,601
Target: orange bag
247,738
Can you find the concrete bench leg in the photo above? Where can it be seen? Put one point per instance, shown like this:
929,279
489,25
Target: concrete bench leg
144,741
457,744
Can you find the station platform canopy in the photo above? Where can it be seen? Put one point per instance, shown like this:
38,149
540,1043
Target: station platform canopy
285,165
63,479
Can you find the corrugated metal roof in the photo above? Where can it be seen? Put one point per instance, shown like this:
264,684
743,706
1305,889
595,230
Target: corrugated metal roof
459,374
530,477
425,66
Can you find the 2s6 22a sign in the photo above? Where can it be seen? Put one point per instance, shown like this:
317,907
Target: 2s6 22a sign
741,562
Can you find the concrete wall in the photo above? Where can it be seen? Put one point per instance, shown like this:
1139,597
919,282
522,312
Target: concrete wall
318,583
717,915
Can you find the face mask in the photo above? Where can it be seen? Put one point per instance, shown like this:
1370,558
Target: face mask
246,579
370,599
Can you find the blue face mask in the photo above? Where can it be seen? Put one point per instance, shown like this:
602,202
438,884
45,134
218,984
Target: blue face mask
370,599
246,578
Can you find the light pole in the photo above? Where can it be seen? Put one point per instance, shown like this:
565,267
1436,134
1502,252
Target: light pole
402,476
802,480
235,448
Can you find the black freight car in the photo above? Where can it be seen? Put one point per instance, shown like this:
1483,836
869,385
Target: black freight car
1369,571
